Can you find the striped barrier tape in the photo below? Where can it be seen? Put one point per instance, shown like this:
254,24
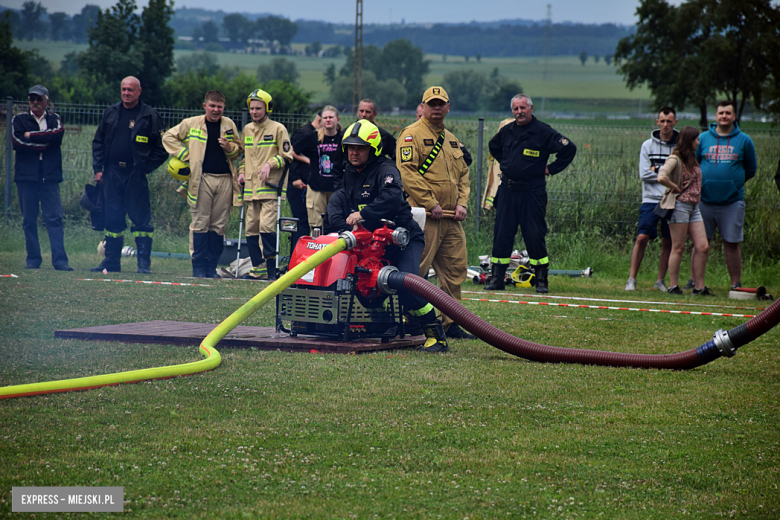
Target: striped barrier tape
141,281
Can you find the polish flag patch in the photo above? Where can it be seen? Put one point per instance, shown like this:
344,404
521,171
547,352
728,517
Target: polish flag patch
408,139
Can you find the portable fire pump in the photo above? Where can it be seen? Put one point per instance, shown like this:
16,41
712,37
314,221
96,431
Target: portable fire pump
341,298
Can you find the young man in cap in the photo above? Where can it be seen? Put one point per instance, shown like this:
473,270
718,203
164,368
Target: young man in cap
436,178
37,137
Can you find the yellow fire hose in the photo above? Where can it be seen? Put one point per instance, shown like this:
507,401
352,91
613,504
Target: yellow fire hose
211,355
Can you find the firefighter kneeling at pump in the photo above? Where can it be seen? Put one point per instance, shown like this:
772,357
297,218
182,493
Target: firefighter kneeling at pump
373,192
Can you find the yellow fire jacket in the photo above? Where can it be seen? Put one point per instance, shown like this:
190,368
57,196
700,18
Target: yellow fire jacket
446,181
187,142
494,175
266,142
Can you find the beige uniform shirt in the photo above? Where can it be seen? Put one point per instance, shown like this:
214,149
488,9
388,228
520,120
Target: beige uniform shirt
187,142
446,182
266,142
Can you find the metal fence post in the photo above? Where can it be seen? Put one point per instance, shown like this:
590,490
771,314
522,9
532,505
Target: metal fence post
244,118
9,116
477,199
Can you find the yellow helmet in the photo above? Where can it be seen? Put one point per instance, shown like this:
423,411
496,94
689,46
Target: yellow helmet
261,95
178,170
363,133
523,277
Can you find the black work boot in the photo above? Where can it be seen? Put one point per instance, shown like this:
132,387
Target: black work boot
455,332
112,263
541,279
216,243
269,252
270,264
199,248
437,340
256,254
497,275
143,252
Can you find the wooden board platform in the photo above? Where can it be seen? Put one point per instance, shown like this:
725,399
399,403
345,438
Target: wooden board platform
264,338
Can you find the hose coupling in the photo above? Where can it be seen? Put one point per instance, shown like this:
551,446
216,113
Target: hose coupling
723,343
382,279
401,237
349,238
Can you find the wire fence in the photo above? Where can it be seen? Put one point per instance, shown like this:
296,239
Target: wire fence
599,193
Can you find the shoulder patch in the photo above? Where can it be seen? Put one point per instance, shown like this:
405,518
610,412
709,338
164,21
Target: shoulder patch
564,141
389,179
406,154
454,144
286,146
408,139
428,142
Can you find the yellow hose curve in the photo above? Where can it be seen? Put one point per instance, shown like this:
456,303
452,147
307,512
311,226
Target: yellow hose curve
212,358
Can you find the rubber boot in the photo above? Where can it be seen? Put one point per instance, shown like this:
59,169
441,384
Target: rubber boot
256,254
436,339
216,243
143,252
270,264
112,263
541,279
199,248
497,275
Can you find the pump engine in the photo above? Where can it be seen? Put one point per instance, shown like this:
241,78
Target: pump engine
340,298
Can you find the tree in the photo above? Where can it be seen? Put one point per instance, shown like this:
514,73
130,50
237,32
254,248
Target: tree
332,52
402,61
583,57
112,54
59,26
288,98
330,74
466,88
444,58
84,21
385,93
596,58
703,49
202,62
14,66
237,27
479,58
500,94
156,46
608,59
280,69
209,32
277,29
31,23
313,49
466,58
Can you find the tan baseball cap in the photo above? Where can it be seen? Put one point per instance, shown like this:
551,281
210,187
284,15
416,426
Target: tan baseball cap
435,93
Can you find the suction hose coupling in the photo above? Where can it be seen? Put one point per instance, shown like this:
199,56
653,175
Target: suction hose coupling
349,238
382,279
723,343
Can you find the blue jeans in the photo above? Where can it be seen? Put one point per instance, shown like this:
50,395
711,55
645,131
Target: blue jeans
45,195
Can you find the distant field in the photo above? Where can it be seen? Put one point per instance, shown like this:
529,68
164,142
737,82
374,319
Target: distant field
566,77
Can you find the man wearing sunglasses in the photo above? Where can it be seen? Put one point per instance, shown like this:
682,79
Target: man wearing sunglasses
37,137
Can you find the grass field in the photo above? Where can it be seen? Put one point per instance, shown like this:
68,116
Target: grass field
475,434
566,77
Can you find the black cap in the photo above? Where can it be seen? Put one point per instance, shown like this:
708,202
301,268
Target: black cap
39,90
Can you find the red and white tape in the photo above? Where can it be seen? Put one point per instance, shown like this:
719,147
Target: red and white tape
141,281
578,298
8,276
604,307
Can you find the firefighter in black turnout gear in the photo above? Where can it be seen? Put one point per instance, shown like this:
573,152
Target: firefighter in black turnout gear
126,148
372,191
522,149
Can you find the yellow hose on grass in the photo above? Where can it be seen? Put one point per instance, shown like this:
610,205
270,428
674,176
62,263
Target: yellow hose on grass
211,355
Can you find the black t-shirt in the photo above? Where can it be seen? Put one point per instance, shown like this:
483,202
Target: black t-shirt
122,143
215,160
327,170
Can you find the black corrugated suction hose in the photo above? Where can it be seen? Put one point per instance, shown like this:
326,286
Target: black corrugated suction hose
723,342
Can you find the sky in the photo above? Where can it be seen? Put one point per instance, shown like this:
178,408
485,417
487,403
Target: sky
382,11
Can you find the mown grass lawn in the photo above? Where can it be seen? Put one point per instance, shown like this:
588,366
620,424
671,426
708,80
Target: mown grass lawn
471,434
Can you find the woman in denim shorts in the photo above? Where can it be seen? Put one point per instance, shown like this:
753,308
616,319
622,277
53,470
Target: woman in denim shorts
682,177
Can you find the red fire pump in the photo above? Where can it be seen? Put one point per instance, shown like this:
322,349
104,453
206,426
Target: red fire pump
340,298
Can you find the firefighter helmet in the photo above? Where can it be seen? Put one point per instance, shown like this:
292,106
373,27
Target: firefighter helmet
178,170
363,133
261,95
523,277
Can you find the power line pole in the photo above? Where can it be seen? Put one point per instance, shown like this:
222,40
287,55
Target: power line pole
547,40
358,71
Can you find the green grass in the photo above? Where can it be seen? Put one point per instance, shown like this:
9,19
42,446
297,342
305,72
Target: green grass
476,433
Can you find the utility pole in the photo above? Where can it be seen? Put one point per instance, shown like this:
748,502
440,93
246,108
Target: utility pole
547,40
358,71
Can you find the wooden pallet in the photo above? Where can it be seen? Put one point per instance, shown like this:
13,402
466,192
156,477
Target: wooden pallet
263,338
